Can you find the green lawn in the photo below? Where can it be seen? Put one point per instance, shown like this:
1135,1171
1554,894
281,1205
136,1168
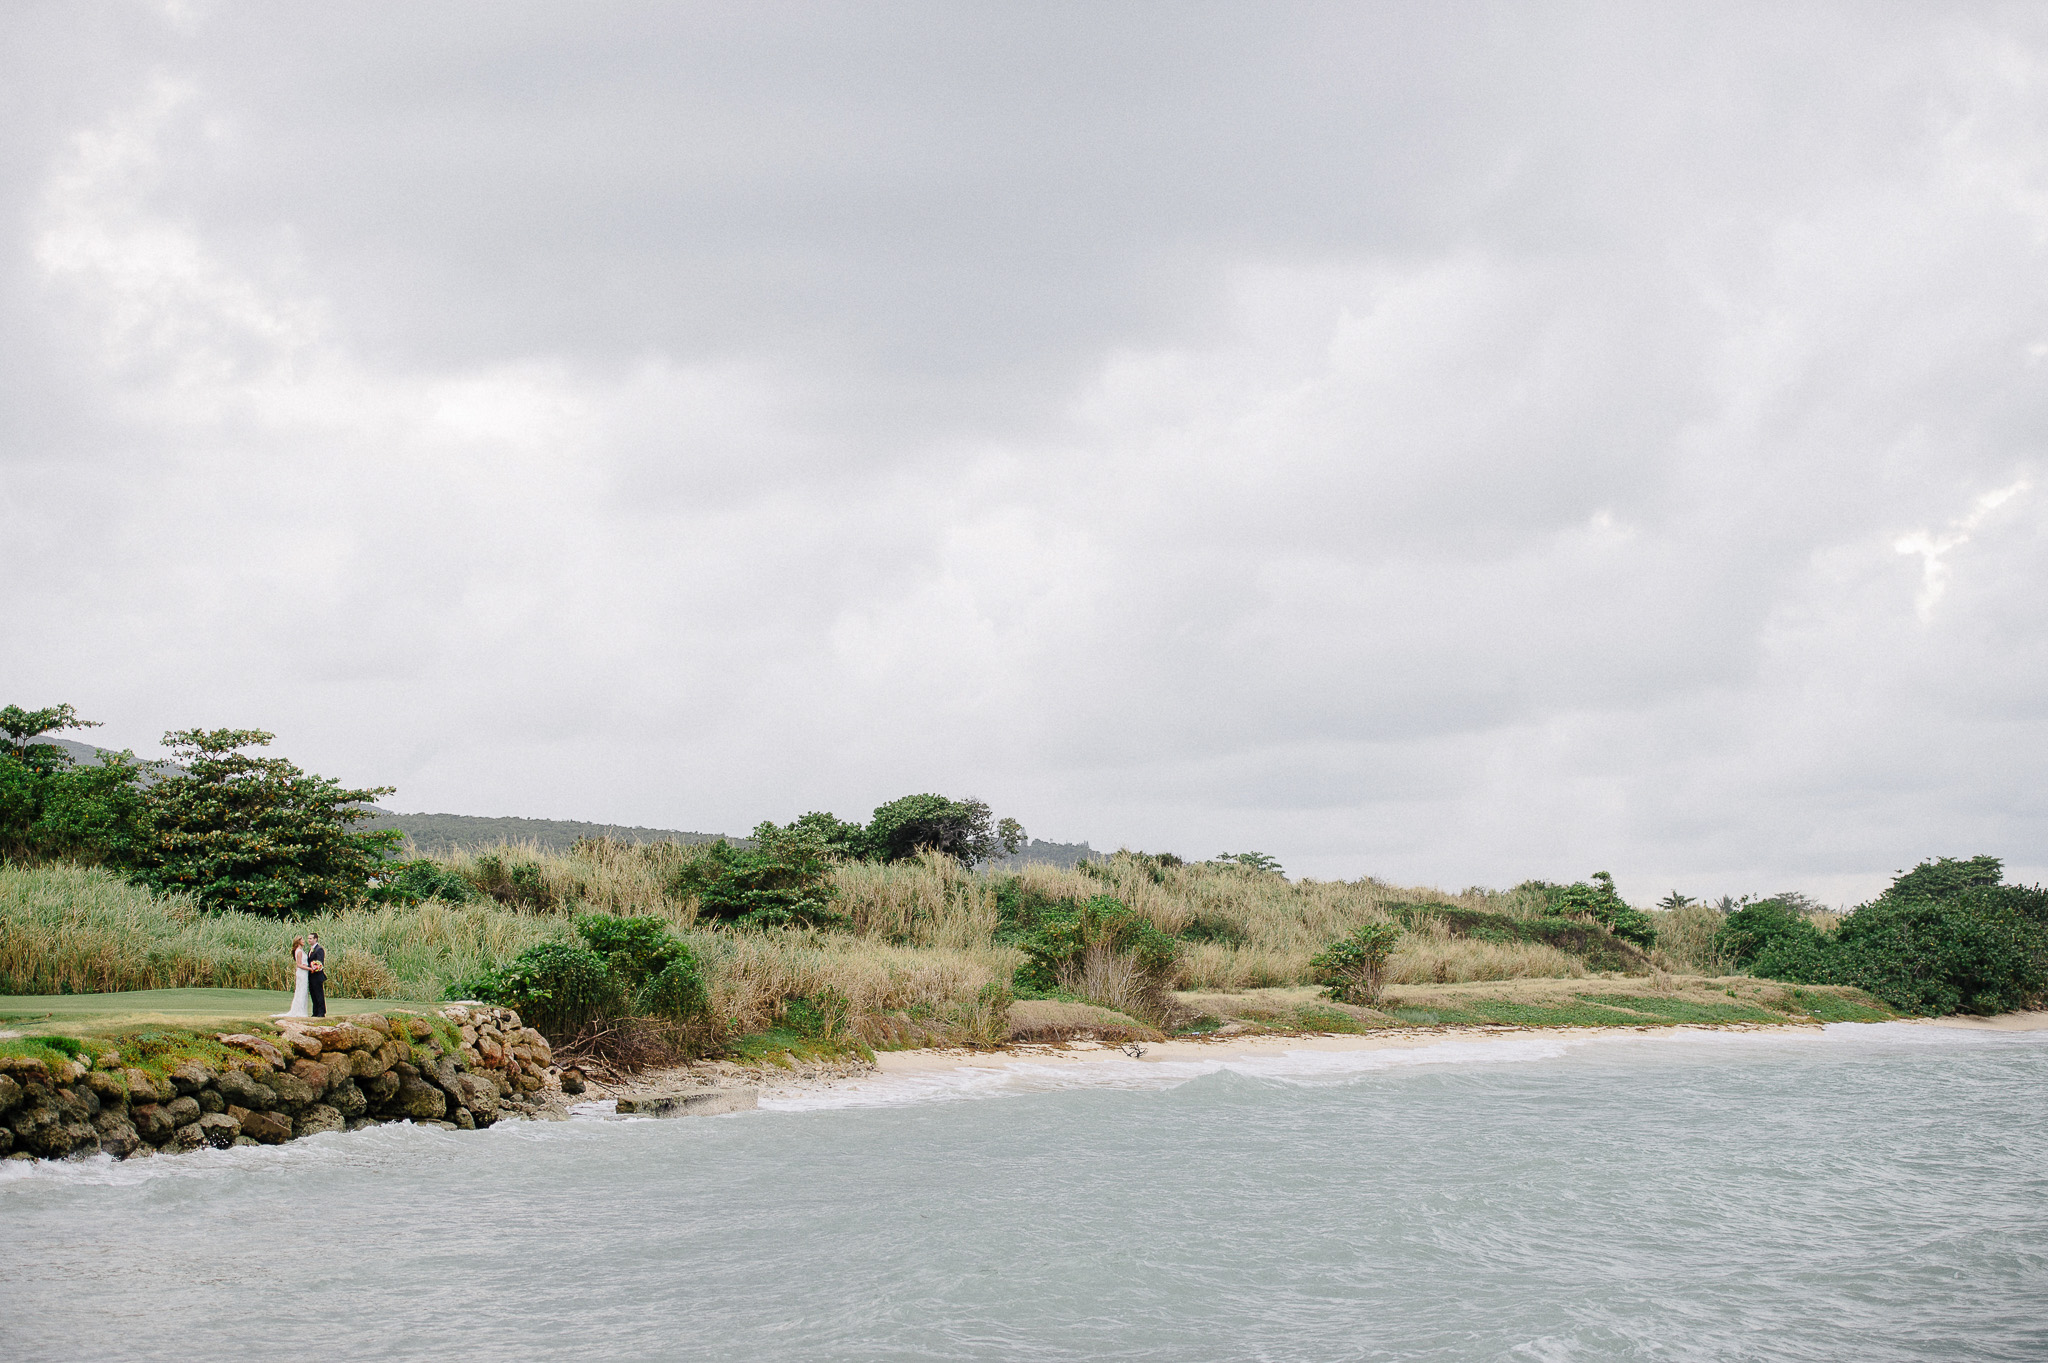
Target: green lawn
67,1014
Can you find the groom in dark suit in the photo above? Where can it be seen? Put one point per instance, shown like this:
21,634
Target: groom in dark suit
316,975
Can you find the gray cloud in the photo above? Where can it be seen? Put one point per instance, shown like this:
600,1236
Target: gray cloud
1451,445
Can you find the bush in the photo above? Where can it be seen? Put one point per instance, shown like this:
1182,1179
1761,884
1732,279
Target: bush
413,882
1354,969
516,884
1946,937
1600,902
962,829
1102,951
256,834
653,966
783,880
556,988
1769,926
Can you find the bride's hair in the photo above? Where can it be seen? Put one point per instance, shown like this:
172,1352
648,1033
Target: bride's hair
298,942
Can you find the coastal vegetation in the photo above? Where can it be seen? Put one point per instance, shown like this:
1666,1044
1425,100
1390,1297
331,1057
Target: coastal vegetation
911,928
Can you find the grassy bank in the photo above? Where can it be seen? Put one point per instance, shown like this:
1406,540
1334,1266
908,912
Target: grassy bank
926,958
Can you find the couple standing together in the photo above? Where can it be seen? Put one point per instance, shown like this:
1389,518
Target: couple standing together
309,998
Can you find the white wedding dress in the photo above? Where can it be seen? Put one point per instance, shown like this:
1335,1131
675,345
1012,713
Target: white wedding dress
302,998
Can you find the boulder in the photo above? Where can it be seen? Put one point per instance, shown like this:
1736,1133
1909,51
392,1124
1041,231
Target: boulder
292,1094
498,1080
361,1123
492,1053
445,1126
475,1096
419,1100
692,1102
347,1098
382,1087
187,1137
317,1119
182,1111
212,1100
463,1121
572,1080
190,1077
39,1129
152,1122
303,1044
368,1064
117,1135
319,1074
143,1089
219,1130
77,1104
81,1139
271,1128
10,1094
419,1029
344,1036
247,1140
242,1090
528,1083
6,1142
111,1090
257,1046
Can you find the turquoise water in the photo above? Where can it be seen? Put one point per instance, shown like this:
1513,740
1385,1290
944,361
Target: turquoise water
1870,1193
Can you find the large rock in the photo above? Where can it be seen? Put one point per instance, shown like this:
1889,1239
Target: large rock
292,1093
242,1090
303,1044
10,1094
318,1074
219,1130
271,1128
345,1036
692,1102
108,1088
152,1122
6,1142
477,1096
143,1089
368,1064
257,1046
187,1137
117,1135
348,1099
419,1100
317,1119
212,1100
382,1087
182,1111
372,1022
190,1077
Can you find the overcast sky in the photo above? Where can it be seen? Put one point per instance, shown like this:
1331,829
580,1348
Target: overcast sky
1452,443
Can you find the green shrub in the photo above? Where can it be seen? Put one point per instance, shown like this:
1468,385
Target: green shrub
1600,902
1102,951
1770,926
416,881
653,966
1354,969
1946,937
515,884
1594,943
556,988
783,880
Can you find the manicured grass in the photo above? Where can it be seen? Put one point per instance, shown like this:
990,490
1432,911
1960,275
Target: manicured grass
78,1013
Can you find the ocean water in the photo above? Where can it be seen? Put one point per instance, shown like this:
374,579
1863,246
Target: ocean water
1868,1193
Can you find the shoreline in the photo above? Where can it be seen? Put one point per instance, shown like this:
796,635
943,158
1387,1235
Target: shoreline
813,1076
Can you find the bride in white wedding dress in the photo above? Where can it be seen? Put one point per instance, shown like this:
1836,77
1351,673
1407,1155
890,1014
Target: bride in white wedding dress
302,999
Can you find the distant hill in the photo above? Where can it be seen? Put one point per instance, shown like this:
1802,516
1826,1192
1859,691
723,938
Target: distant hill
443,833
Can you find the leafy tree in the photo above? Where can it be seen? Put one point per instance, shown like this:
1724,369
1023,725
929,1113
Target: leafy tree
1945,877
1675,901
1768,925
1251,861
256,833
1354,969
51,806
962,829
783,880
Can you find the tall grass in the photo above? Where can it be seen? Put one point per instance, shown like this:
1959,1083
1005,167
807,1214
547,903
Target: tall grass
921,962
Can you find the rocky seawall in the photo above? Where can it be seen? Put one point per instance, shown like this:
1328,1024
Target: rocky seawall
461,1067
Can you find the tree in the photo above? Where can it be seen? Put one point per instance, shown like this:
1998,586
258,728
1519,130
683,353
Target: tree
1354,969
783,880
1602,903
962,829
256,833
1251,861
51,806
